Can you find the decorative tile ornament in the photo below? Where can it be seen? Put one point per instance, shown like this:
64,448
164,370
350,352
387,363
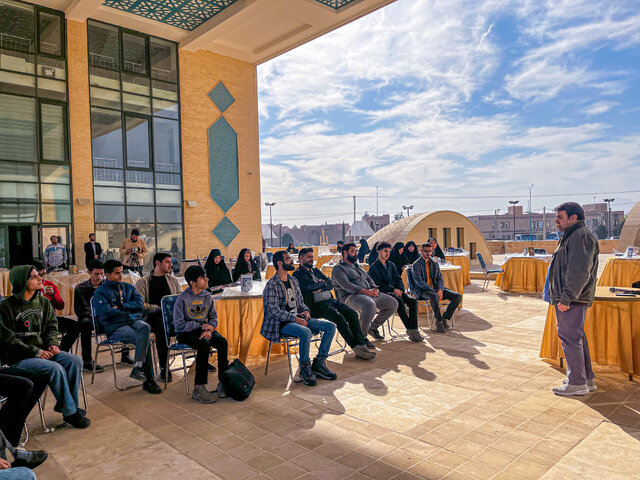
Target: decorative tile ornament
223,164
221,97
335,3
226,231
184,14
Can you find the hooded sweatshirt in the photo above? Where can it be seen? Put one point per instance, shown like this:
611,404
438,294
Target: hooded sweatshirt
26,327
191,311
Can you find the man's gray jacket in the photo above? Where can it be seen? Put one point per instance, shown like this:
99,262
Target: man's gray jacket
419,273
349,279
574,267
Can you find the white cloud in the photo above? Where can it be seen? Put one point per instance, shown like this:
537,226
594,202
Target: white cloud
599,108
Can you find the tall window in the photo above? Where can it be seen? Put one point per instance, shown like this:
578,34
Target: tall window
34,153
135,131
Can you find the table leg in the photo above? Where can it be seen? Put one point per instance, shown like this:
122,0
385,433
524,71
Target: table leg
562,363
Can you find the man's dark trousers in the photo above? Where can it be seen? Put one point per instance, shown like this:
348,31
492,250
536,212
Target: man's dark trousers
410,321
22,389
432,296
345,318
574,343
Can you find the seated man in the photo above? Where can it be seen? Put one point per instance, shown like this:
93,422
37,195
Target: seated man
23,461
386,276
285,314
430,284
152,287
82,295
316,292
355,288
22,391
29,342
195,320
117,306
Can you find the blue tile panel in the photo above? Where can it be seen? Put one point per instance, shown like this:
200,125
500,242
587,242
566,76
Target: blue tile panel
335,3
226,231
221,97
223,164
184,14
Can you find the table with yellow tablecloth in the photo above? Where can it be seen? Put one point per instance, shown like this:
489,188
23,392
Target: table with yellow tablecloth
524,274
612,326
620,272
463,262
5,284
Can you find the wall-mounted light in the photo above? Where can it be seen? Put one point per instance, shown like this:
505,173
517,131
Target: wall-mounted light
84,201
192,203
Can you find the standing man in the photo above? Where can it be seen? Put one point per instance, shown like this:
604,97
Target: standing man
92,250
316,291
386,276
572,286
55,255
430,286
132,252
357,290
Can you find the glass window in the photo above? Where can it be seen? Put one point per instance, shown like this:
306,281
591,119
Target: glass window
106,138
167,181
137,142
165,108
56,213
136,103
54,174
50,31
18,137
166,145
110,236
19,213
139,196
17,83
164,60
52,68
101,97
19,192
136,178
168,197
135,84
140,214
17,62
107,176
134,51
17,24
169,215
104,47
102,77
170,240
164,90
108,195
52,123
109,213
18,172
55,193
54,89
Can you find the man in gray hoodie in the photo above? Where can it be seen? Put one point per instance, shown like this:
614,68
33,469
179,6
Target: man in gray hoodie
196,321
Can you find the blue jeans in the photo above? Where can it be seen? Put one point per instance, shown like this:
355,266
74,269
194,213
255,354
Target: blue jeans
315,325
18,473
63,371
138,334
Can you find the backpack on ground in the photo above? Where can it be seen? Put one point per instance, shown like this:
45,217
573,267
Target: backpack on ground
238,381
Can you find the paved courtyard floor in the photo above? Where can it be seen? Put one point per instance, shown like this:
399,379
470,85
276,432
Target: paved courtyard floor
474,403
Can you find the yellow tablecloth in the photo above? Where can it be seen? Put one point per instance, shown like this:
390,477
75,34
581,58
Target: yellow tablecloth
462,261
5,285
324,259
452,276
620,272
613,333
523,274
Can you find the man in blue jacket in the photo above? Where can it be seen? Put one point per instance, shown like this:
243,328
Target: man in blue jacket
430,284
117,306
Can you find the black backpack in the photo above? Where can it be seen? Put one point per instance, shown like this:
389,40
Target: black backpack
238,381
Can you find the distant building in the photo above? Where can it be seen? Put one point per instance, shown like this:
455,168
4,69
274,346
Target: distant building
358,231
376,222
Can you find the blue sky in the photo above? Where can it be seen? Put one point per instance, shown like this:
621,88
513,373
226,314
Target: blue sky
465,100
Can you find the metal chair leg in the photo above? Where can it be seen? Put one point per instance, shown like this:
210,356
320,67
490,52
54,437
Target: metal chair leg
186,373
266,368
41,410
115,372
26,436
166,371
95,362
84,394
286,346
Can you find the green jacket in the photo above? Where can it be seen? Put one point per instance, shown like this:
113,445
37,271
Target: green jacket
26,327
574,267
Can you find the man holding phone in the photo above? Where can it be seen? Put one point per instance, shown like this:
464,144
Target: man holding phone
285,314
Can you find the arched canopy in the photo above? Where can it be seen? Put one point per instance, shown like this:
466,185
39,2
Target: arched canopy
630,234
451,229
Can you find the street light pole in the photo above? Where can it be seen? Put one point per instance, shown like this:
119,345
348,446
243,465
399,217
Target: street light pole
513,205
270,204
495,214
530,190
608,200
407,208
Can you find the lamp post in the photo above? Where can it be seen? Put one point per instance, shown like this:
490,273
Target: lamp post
608,200
530,190
495,214
270,204
513,205
407,208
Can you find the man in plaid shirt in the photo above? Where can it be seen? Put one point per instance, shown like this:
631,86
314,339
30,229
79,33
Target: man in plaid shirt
286,315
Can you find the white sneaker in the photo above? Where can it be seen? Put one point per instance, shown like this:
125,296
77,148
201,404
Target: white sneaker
590,383
567,390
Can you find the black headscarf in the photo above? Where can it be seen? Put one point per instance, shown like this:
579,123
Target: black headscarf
411,256
242,267
217,273
363,250
397,258
292,249
437,252
373,256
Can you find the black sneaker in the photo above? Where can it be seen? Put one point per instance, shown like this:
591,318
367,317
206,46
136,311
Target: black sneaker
222,393
77,420
319,369
440,328
211,368
369,344
373,331
307,375
448,324
31,460
88,367
127,360
162,374
138,374
151,387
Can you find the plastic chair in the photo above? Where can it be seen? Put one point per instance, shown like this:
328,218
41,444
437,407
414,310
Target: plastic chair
167,304
487,273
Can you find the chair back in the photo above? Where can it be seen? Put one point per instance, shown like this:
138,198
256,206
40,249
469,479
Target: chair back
96,324
481,260
540,251
167,304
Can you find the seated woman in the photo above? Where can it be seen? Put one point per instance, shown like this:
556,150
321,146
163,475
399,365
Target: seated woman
363,250
292,249
373,256
245,265
411,252
217,271
437,251
397,256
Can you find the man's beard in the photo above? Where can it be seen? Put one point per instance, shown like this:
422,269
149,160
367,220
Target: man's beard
288,267
352,258
309,264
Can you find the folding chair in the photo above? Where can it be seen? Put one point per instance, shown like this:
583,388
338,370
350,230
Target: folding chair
103,344
289,343
186,352
431,319
487,273
43,400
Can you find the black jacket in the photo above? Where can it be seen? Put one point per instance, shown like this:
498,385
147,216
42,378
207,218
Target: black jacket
241,269
88,252
82,295
308,285
386,276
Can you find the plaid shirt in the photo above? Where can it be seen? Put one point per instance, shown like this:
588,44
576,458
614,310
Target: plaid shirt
274,300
